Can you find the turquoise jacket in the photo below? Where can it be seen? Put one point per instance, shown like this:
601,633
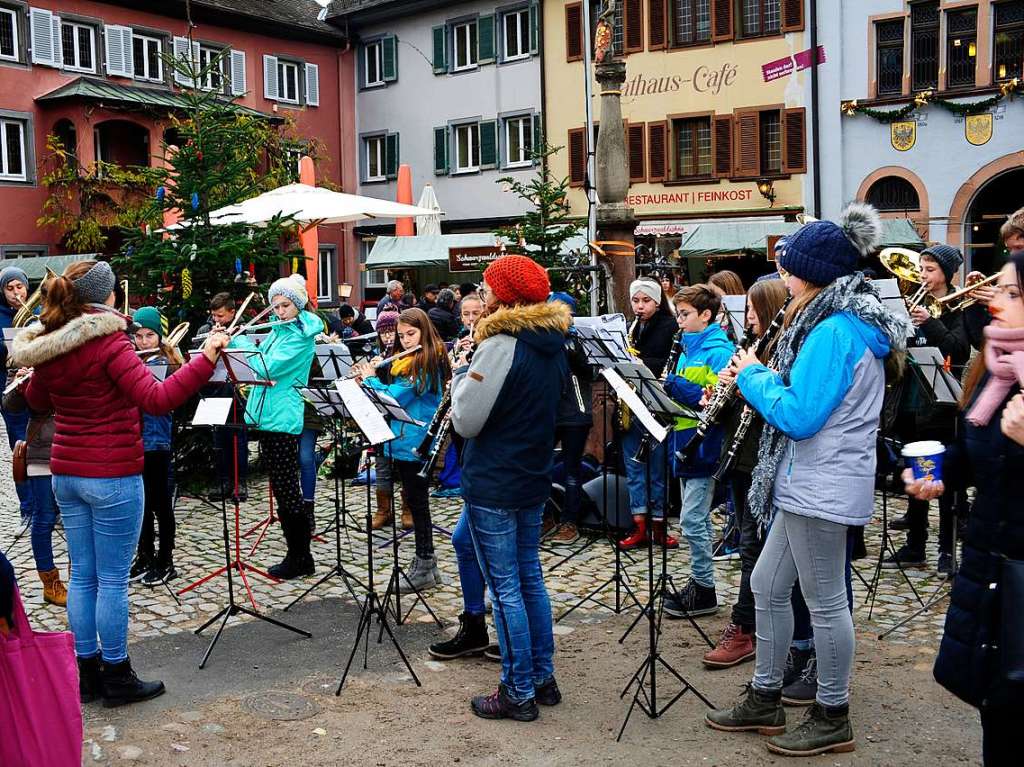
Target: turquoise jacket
286,360
420,406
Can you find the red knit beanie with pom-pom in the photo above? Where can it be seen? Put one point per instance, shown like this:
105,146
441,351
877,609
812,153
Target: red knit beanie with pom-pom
518,280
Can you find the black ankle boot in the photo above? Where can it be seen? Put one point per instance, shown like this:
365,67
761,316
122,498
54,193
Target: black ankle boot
121,685
90,680
471,639
309,512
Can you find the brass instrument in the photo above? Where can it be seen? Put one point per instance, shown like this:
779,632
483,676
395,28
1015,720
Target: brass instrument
964,297
905,265
124,290
625,416
438,429
25,314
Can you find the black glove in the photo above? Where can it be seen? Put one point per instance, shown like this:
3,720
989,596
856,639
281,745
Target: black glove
7,583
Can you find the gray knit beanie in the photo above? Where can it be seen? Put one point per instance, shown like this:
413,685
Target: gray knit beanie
9,275
95,285
948,258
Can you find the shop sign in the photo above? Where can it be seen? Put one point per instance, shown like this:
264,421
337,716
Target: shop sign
472,259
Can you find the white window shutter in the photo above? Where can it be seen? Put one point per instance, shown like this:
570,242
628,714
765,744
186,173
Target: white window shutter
237,73
270,78
181,55
40,26
58,48
118,63
129,51
313,85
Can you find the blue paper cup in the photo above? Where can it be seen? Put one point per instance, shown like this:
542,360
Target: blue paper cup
925,459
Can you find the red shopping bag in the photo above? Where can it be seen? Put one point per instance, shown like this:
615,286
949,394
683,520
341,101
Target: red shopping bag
40,713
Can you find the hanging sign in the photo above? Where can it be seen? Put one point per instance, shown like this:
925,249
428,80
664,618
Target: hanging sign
978,128
472,259
903,135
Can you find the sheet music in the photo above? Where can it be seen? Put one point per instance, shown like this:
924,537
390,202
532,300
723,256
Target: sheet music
326,402
610,330
240,366
932,365
10,333
736,309
394,410
892,299
369,420
212,411
335,360
632,399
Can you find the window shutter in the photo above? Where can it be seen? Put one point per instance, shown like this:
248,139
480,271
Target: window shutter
633,26
636,149
792,15
440,40
270,77
488,144
41,24
721,150
794,141
721,20
657,25
657,156
485,40
534,28
129,51
58,49
577,156
391,155
313,85
441,151
389,48
748,147
538,136
182,56
237,73
574,32
115,50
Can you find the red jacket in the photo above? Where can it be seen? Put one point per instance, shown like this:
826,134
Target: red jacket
88,374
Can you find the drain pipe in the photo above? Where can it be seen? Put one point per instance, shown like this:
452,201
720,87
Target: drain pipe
815,151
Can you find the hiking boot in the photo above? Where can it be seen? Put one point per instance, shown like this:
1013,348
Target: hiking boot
796,661
904,557
121,685
471,639
140,567
160,574
803,690
636,538
692,601
547,694
90,679
407,523
54,591
760,711
565,534
735,646
500,705
493,652
547,525
420,577
944,566
661,537
825,729
385,509
899,523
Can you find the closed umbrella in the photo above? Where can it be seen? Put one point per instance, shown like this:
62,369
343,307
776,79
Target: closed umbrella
429,224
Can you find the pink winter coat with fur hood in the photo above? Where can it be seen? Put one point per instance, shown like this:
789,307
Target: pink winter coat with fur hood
88,374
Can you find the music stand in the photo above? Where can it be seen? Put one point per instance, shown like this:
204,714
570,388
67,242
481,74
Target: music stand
375,431
735,308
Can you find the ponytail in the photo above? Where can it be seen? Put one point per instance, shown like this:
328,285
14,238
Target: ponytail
61,302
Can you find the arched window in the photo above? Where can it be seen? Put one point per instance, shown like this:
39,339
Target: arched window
893,193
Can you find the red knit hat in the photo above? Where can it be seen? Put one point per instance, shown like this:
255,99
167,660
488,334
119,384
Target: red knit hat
518,280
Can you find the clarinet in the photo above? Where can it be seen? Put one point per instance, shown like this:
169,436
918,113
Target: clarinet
675,351
738,438
438,429
725,393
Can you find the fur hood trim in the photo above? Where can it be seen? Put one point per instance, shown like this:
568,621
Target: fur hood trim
513,320
33,347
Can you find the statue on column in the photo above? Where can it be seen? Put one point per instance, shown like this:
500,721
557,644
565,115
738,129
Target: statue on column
604,36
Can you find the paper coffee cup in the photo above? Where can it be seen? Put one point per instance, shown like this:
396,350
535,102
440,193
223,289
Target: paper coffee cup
925,459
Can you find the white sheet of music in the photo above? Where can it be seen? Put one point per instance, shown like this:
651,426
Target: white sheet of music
639,409
212,411
369,420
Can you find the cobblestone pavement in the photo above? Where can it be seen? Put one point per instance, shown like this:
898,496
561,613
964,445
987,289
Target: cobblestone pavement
200,550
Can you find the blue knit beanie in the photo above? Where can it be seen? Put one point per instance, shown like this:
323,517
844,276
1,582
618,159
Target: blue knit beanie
565,298
821,252
947,257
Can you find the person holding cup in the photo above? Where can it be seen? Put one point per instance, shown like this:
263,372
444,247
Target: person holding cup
980,637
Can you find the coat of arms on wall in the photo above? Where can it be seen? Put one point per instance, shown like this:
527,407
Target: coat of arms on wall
903,135
978,128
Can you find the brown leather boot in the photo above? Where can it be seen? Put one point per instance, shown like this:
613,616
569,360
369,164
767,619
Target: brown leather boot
385,509
406,514
53,590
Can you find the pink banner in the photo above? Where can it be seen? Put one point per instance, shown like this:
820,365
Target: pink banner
773,70
803,59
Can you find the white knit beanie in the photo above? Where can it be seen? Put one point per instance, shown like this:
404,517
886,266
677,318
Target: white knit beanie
648,287
292,287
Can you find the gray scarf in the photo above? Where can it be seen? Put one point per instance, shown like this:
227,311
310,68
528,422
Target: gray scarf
851,294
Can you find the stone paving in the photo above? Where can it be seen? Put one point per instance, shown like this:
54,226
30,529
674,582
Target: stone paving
200,551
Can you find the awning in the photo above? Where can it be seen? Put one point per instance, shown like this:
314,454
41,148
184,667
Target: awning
35,267
422,250
92,89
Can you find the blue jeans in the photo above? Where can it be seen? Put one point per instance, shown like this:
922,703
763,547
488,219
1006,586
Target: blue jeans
636,474
695,521
470,577
802,631
507,543
44,517
102,518
17,425
308,463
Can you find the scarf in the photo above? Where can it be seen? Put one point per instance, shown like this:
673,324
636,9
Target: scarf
1004,360
852,294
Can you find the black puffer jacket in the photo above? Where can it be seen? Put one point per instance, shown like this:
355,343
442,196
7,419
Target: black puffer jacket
653,340
968,664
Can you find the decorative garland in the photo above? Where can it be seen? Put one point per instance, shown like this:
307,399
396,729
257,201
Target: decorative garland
1009,88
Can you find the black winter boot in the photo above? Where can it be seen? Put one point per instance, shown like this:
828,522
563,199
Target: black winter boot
309,511
90,680
471,639
121,685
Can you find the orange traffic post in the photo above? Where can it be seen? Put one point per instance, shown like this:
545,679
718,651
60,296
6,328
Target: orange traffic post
404,227
308,238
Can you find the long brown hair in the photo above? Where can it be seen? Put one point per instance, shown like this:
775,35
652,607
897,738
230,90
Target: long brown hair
728,282
800,303
61,303
429,368
767,298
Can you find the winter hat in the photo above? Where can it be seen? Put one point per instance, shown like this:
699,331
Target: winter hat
293,288
387,321
149,317
95,285
565,298
346,310
9,275
431,288
948,258
446,298
821,252
649,287
518,280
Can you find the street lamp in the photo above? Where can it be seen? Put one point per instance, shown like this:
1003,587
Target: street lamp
767,189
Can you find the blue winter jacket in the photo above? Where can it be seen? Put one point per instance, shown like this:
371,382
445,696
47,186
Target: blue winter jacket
830,410
704,355
420,406
156,429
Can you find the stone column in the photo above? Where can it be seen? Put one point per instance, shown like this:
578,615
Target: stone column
615,219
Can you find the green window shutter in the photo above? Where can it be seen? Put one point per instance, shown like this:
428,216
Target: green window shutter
440,60
485,40
390,55
538,139
534,28
488,144
441,151
391,155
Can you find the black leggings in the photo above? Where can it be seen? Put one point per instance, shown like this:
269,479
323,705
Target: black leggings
156,483
417,494
281,452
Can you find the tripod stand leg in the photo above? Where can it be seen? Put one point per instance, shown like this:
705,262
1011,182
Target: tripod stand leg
228,612
936,598
212,620
401,653
273,621
364,625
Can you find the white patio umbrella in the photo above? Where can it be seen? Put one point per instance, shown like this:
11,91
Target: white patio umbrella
429,224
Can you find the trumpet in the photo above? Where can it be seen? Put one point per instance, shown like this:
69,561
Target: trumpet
965,297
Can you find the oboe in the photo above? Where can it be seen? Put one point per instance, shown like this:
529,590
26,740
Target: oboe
724,393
